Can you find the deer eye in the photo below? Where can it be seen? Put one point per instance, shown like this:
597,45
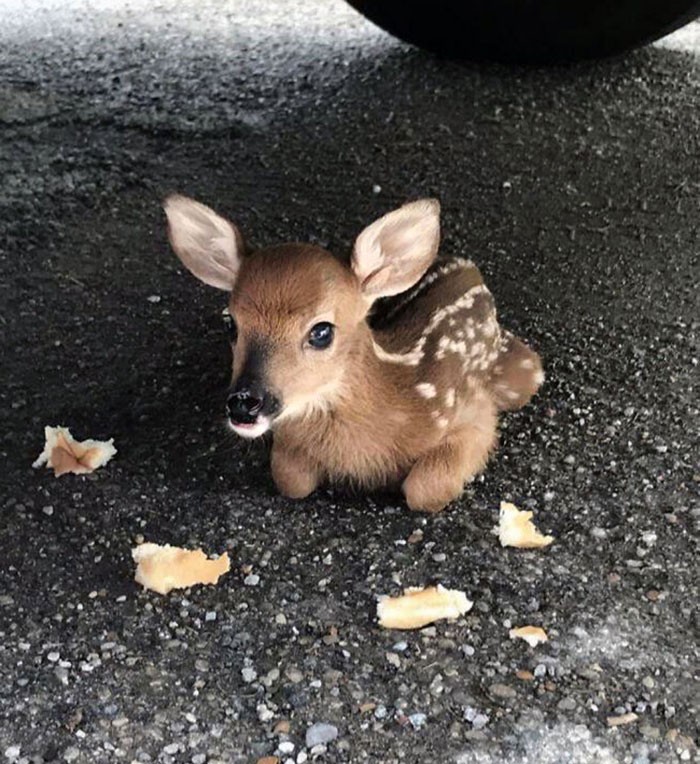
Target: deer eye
321,335
230,325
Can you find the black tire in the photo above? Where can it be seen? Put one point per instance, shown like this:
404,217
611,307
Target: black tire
528,31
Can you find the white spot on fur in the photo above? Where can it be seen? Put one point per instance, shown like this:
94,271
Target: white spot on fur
490,327
447,345
527,363
453,265
466,301
426,389
539,377
415,355
443,421
450,398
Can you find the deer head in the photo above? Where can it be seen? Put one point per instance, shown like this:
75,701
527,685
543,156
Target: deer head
296,314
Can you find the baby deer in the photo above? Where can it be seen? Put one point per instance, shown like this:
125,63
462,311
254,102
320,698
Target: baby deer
415,400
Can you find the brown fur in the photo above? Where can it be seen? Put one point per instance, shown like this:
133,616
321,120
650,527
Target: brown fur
415,401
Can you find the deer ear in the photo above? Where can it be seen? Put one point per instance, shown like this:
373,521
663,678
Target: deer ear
395,251
208,245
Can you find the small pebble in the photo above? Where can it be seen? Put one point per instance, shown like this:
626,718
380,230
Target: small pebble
499,690
264,713
253,579
320,734
621,719
470,713
480,721
293,674
249,674
418,720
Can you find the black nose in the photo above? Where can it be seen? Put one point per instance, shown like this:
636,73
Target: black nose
243,406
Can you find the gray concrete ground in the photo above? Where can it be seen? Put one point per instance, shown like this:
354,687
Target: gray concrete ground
575,189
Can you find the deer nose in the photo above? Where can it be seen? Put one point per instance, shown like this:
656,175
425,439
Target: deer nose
244,405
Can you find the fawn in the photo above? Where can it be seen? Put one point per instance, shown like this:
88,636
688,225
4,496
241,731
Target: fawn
414,400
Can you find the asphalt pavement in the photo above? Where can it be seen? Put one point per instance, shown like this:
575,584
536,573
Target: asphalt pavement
576,190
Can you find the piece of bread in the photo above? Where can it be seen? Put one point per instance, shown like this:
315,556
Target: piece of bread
533,635
163,568
419,607
65,454
515,528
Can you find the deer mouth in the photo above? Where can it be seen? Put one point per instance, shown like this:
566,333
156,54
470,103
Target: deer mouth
251,429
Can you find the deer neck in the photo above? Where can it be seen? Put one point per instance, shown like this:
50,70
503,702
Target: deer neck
373,385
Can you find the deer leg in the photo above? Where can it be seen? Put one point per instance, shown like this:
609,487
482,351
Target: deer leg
438,477
294,474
